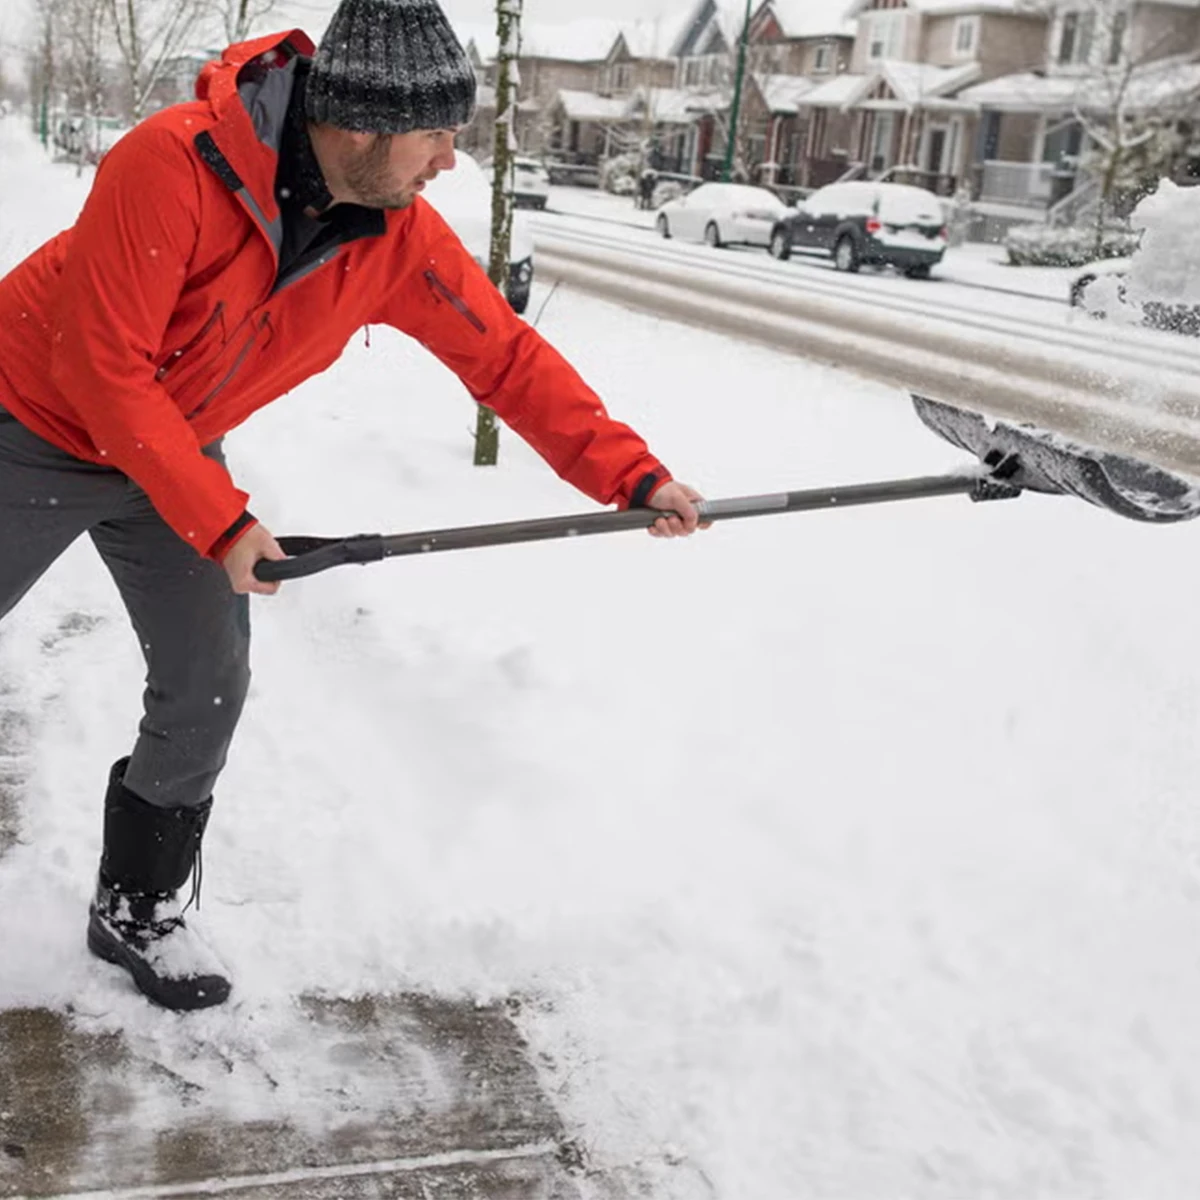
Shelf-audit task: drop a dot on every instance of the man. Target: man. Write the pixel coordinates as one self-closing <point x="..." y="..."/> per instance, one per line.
<point x="228" y="251"/>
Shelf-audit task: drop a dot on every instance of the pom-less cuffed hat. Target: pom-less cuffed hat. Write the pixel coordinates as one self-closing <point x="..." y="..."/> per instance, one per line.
<point x="390" y="66"/>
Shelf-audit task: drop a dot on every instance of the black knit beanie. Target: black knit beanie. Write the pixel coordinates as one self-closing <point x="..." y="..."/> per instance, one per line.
<point x="390" y="66"/>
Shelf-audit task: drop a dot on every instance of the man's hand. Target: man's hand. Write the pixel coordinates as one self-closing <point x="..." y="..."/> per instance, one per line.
<point x="249" y="549"/>
<point x="681" y="499"/>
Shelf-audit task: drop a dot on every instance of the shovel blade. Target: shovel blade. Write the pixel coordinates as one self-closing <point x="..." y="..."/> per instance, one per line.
<point x="1040" y="461"/>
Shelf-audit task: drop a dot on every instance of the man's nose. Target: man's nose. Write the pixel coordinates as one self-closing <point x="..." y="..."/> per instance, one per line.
<point x="446" y="159"/>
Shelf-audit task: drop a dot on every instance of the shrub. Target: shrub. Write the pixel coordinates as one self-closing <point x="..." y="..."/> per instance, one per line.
<point x="1072" y="246"/>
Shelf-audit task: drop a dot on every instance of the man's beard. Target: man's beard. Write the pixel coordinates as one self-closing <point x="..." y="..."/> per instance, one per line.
<point x="366" y="177"/>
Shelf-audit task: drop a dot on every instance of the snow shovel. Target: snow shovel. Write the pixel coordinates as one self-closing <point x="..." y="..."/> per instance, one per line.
<point x="1011" y="459"/>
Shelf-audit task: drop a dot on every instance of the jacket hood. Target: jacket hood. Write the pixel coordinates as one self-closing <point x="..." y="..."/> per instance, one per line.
<point x="219" y="80"/>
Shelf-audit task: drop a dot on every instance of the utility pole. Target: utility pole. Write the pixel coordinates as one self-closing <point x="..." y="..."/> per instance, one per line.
<point x="731" y="141"/>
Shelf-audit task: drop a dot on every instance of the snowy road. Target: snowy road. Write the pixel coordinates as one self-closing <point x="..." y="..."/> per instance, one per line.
<point x="852" y="855"/>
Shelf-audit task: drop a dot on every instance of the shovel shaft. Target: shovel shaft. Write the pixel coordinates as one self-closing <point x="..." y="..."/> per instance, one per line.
<point x="311" y="555"/>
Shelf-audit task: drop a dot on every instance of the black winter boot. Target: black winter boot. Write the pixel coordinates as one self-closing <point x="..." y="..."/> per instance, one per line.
<point x="136" y="920"/>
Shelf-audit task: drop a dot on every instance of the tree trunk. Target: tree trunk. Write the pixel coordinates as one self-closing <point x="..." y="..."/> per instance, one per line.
<point x="508" y="30"/>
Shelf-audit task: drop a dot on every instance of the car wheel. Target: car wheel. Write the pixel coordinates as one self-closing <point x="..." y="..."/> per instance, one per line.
<point x="712" y="235"/>
<point x="1079" y="287"/>
<point x="663" y="227"/>
<point x="518" y="298"/>
<point x="781" y="245"/>
<point x="845" y="254"/>
<point x="920" y="271"/>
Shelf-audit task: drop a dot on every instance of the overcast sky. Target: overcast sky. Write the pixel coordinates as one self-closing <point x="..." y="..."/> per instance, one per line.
<point x="469" y="15"/>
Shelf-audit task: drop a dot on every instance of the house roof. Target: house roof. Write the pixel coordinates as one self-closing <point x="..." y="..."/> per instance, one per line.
<point x="588" y="106"/>
<point x="948" y="7"/>
<point x="1168" y="81"/>
<point x="812" y="18"/>
<point x="783" y="93"/>
<point x="574" y="41"/>
<point x="839" y="92"/>
<point x="913" y="82"/>
<point x="705" y="18"/>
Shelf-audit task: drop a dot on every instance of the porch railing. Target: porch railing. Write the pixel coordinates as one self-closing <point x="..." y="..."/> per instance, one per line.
<point x="1018" y="182"/>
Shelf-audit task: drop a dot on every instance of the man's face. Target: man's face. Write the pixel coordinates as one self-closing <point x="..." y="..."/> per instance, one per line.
<point x="390" y="170"/>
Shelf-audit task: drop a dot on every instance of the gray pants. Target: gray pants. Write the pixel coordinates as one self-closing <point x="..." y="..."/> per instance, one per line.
<point x="193" y="630"/>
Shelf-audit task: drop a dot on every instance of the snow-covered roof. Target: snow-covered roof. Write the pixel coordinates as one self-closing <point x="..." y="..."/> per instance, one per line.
<point x="650" y="39"/>
<point x="949" y="7"/>
<point x="485" y="98"/>
<point x="583" y="40"/>
<point x="1166" y="82"/>
<point x="675" y="106"/>
<point x="588" y="106"/>
<point x="813" y="18"/>
<point x="783" y="93"/>
<point x="914" y="81"/>
<point x="839" y="92"/>
<point x="705" y="17"/>
<point x="573" y="41"/>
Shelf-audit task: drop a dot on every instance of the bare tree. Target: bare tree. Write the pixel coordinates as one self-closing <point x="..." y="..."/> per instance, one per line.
<point x="149" y="33"/>
<point x="85" y="41"/>
<point x="1132" y="105"/>
<point x="44" y="61"/>
<point x="239" y="17"/>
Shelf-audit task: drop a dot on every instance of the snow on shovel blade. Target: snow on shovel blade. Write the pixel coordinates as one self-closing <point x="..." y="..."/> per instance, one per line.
<point x="1040" y="461"/>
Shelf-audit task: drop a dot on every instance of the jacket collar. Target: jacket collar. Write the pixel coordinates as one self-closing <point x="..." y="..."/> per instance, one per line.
<point x="248" y="90"/>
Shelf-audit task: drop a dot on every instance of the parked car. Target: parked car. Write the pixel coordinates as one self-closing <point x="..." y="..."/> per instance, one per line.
<point x="878" y="224"/>
<point x="464" y="197"/>
<point x="722" y="214"/>
<point x="530" y="182"/>
<point x="1155" y="314"/>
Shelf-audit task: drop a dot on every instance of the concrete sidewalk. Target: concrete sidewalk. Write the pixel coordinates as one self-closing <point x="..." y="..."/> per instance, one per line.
<point x="443" y="1105"/>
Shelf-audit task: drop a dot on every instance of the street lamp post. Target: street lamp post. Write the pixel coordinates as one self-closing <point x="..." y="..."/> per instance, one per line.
<point x="731" y="140"/>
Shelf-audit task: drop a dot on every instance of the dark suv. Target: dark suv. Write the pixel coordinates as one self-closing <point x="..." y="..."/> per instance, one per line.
<point x="880" y="224"/>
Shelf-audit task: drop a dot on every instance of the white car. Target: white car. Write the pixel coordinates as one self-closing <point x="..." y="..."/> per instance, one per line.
<point x="464" y="198"/>
<point x="722" y="214"/>
<point x="530" y="186"/>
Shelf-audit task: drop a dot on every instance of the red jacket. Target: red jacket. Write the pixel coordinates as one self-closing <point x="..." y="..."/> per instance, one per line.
<point x="157" y="324"/>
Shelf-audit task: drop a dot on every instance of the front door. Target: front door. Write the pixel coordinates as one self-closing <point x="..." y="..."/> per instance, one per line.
<point x="935" y="150"/>
<point x="881" y="142"/>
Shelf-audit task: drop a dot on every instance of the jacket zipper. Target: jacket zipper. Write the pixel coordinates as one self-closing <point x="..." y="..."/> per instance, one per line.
<point x="265" y="323"/>
<point x="173" y="361"/>
<point x="456" y="301"/>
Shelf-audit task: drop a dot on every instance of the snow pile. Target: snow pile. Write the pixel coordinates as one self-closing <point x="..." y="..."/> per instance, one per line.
<point x="1164" y="270"/>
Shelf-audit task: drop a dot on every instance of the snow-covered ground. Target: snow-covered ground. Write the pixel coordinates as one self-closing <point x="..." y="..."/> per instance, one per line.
<point x="849" y="855"/>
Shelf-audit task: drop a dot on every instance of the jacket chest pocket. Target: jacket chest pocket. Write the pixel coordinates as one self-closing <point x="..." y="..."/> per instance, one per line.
<point x="252" y="336"/>
<point x="196" y="349"/>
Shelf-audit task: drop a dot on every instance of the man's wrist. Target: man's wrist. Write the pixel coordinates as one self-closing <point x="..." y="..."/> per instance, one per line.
<point x="234" y="534"/>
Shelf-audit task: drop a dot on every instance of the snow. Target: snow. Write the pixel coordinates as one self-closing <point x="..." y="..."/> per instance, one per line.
<point x="850" y="854"/>
<point x="1166" y="265"/>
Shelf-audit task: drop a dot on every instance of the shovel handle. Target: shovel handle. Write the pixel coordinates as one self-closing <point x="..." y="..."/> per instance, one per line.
<point x="310" y="555"/>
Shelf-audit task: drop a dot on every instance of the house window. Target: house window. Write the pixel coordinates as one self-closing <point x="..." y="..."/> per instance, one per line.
<point x="1116" y="41"/>
<point x="1075" y="39"/>
<point x="966" y="37"/>
<point x="622" y="77"/>
<point x="883" y="35"/>
<point x="821" y="60"/>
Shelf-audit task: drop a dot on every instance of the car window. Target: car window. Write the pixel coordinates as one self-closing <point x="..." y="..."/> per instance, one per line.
<point x="756" y="197"/>
<point x="710" y="193"/>
<point x="822" y="200"/>
<point x="909" y="206"/>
